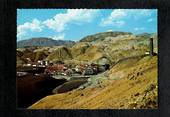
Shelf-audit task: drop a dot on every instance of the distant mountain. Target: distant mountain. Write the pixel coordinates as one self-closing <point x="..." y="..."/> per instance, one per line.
<point x="43" y="42"/>
<point x="147" y="35"/>
<point x="102" y="36"/>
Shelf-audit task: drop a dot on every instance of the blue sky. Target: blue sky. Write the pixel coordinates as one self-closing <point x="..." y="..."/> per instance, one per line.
<point x="74" y="24"/>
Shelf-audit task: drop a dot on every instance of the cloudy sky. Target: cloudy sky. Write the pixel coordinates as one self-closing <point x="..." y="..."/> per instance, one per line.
<point x="74" y="24"/>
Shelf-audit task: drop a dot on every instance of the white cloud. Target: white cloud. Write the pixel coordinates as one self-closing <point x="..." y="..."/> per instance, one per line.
<point x="118" y="13"/>
<point x="114" y="23"/>
<point x="60" y="21"/>
<point x="34" y="26"/>
<point x="110" y="30"/>
<point x="58" y="37"/>
<point x="114" y="19"/>
<point x="139" y="12"/>
<point x="21" y="33"/>
<point x="139" y="29"/>
<point x="118" y="16"/>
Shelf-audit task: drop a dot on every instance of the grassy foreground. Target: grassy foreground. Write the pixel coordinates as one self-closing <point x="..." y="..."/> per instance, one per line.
<point x="130" y="84"/>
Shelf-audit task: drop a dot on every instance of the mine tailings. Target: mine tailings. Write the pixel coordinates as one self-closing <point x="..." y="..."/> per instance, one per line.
<point x="31" y="88"/>
<point x="33" y="85"/>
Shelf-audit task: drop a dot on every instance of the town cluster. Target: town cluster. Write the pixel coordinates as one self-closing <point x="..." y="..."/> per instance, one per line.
<point x="60" y="68"/>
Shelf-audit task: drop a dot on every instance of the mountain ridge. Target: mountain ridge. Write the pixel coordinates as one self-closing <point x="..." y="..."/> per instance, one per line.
<point x="100" y="36"/>
<point x="43" y="41"/>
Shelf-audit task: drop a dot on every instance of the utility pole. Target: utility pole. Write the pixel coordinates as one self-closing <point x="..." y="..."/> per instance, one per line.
<point x="151" y="47"/>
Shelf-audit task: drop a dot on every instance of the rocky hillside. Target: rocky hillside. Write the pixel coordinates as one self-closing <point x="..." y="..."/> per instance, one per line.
<point x="131" y="81"/>
<point x="102" y="36"/>
<point x="59" y="54"/>
<point x="106" y="47"/>
<point x="130" y="84"/>
<point x="43" y="42"/>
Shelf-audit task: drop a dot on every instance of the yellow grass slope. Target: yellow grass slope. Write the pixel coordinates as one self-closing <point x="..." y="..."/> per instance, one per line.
<point x="130" y="84"/>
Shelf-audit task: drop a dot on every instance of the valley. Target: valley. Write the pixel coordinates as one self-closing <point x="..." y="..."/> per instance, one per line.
<point x="108" y="70"/>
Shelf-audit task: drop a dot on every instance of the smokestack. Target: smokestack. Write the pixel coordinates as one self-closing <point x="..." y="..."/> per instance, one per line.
<point x="151" y="47"/>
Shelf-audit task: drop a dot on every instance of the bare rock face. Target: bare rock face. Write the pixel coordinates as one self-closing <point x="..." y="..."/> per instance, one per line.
<point x="61" y="53"/>
<point x="20" y="61"/>
<point x="102" y="36"/>
<point x="40" y="56"/>
<point x="28" y="55"/>
<point x="123" y="86"/>
<point x="68" y="86"/>
<point x="103" y="61"/>
<point x="79" y="48"/>
<point x="43" y="42"/>
<point x="32" y="88"/>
